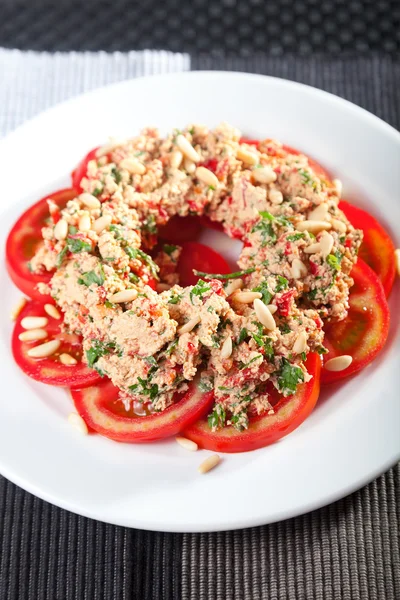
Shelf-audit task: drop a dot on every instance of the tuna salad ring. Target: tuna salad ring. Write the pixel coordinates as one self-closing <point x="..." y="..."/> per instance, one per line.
<point x="153" y="324"/>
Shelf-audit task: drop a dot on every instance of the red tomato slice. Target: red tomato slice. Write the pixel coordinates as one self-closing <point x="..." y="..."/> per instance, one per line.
<point x="24" y="239"/>
<point x="377" y="248"/>
<point x="180" y="229"/>
<point x="202" y="258"/>
<point x="363" y="333"/>
<point x="81" y="170"/>
<point x="50" y="370"/>
<point x="249" y="142"/>
<point x="104" y="412"/>
<point x="289" y="413"/>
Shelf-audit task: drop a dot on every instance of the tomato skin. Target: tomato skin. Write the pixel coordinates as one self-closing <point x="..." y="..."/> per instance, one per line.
<point x="202" y="258"/>
<point x="266" y="429"/>
<point x="80" y="170"/>
<point x="180" y="229"/>
<point x="50" y="370"/>
<point x="23" y="240"/>
<point x="377" y="248"/>
<point x="364" y="332"/>
<point x="93" y="405"/>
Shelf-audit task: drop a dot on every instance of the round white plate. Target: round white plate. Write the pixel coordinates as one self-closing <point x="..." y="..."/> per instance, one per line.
<point x="353" y="434"/>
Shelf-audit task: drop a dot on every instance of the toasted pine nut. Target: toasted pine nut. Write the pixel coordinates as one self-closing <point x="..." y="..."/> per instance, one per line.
<point x="250" y="158"/>
<point x="339" y="225"/>
<point x="272" y="308"/>
<point x="233" y="285"/>
<point x="34" y="322"/>
<point x="43" y="350"/>
<point x="176" y="159"/>
<point x="189" y="325"/>
<point x="338" y="186"/>
<point x="101" y="223"/>
<point x="31" y="335"/>
<point x="313" y="226"/>
<point x="298" y="269"/>
<point x="84" y="223"/>
<point x="397" y="260"/>
<point x="17" y="308"/>
<point x="133" y="166"/>
<point x="61" y="230"/>
<point x="187" y="444"/>
<point x="264" y="174"/>
<point x="67" y="359"/>
<point x="264" y="315"/>
<point x="78" y="423"/>
<point x="189" y="165"/>
<point x="89" y="200"/>
<point x="227" y="348"/>
<point x="187" y="149"/>
<point x="275" y="196"/>
<point x="300" y="344"/>
<point x="319" y="213"/>
<point x="326" y="242"/>
<point x="246" y="297"/>
<point x="209" y="463"/>
<point x="339" y="363"/>
<point x="313" y="248"/>
<point x="206" y="176"/>
<point x="124" y="296"/>
<point x="52" y="311"/>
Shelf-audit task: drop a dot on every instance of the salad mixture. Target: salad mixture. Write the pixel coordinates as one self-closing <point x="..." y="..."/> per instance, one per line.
<point x="152" y="331"/>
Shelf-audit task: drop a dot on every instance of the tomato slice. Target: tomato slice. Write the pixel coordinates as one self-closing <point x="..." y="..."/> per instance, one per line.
<point x="50" y="370"/>
<point x="81" y="170"/>
<point x="377" y="248"/>
<point x="180" y="229"/>
<point x="24" y="239"/>
<point x="202" y="258"/>
<point x="289" y="413"/>
<point x="104" y="412"/>
<point x="363" y="333"/>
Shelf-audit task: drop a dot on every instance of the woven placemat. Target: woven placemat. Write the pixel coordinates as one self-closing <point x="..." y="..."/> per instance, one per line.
<point x="348" y="550"/>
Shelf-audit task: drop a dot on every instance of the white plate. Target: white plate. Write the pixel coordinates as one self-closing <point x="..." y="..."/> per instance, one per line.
<point x="352" y="436"/>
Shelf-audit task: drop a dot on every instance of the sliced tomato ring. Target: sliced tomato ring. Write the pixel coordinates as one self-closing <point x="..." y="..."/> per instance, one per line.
<point x="102" y="409"/>
<point x="180" y="229"/>
<point x="81" y="170"/>
<point x="24" y="239"/>
<point x="202" y="258"/>
<point x="289" y="413"/>
<point x="50" y="370"/>
<point x="363" y="333"/>
<point x="377" y="248"/>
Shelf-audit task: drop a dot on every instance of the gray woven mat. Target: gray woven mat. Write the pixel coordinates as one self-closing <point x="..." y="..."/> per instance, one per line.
<point x="348" y="550"/>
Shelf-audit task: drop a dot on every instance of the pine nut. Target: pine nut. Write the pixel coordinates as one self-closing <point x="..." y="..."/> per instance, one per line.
<point x="208" y="464"/>
<point x="34" y="322"/>
<point x="338" y="186"/>
<point x="31" y="335"/>
<point x="246" y="297"/>
<point x="264" y="315"/>
<point x="17" y="308"/>
<point x="61" y="230"/>
<point x="264" y="174"/>
<point x="89" y="200"/>
<point x="397" y="260"/>
<point x="227" y="348"/>
<point x="124" y="296"/>
<point x="189" y="165"/>
<point x="326" y="242"/>
<point x="339" y="363"/>
<point x="176" y="159"/>
<point x="189" y="325"/>
<point x="133" y="166"/>
<point x="46" y="349"/>
<point x="275" y="196"/>
<point x="101" y="223"/>
<point x="339" y="225"/>
<point x="298" y="269"/>
<point x="313" y="226"/>
<point x="67" y="359"/>
<point x="207" y="176"/>
<point x="272" y="308"/>
<point x="233" y="285"/>
<point x="52" y="311"/>
<point x="300" y="344"/>
<point x="250" y="158"/>
<point x="313" y="248"/>
<point x="84" y="223"/>
<point x="187" y="149"/>
<point x="319" y="214"/>
<point x="78" y="423"/>
<point x="187" y="444"/>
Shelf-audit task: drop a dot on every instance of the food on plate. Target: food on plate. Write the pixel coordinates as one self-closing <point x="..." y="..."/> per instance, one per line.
<point x="162" y="338"/>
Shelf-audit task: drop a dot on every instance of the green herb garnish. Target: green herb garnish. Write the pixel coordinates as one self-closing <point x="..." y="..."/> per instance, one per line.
<point x="289" y="376"/>
<point x="223" y="276"/>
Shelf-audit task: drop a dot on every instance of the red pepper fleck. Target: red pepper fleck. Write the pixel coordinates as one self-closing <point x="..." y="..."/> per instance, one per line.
<point x="313" y="268"/>
<point x="211" y="164"/>
<point x="191" y="348"/>
<point x="217" y="286"/>
<point x="288" y="249"/>
<point x="347" y="243"/>
<point x="283" y="302"/>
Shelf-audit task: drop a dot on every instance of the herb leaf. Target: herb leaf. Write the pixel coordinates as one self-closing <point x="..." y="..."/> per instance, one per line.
<point x="199" y="289"/>
<point x="91" y="277"/>
<point x="217" y="418"/>
<point x="289" y="376"/>
<point x="76" y="245"/>
<point x="223" y="276"/>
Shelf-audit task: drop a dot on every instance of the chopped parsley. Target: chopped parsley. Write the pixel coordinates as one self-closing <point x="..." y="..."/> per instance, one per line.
<point x="60" y="257"/>
<point x="98" y="350"/>
<point x="205" y="384"/>
<point x="151" y="361"/>
<point x="312" y="294"/>
<point x="72" y="230"/>
<point x="199" y="290"/>
<point x="175" y="298"/>
<point x="149" y="224"/>
<point x="76" y="245"/>
<point x="97" y="192"/>
<point x="137" y="253"/>
<point x="282" y="283"/>
<point x="289" y="376"/>
<point x="171" y="347"/>
<point x="116" y="174"/>
<point x="91" y="277"/>
<point x="245" y="365"/>
<point x="169" y="249"/>
<point x="217" y="418"/>
<point x="295" y="237"/>
<point x="224" y="276"/>
<point x="266" y="227"/>
<point x="321" y="350"/>
<point x="306" y="177"/>
<point x="243" y="335"/>
<point x="284" y="328"/>
<point x="264" y="291"/>
<point x="240" y="421"/>
<point x="116" y="229"/>
<point x="333" y="262"/>
<point x="144" y="387"/>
